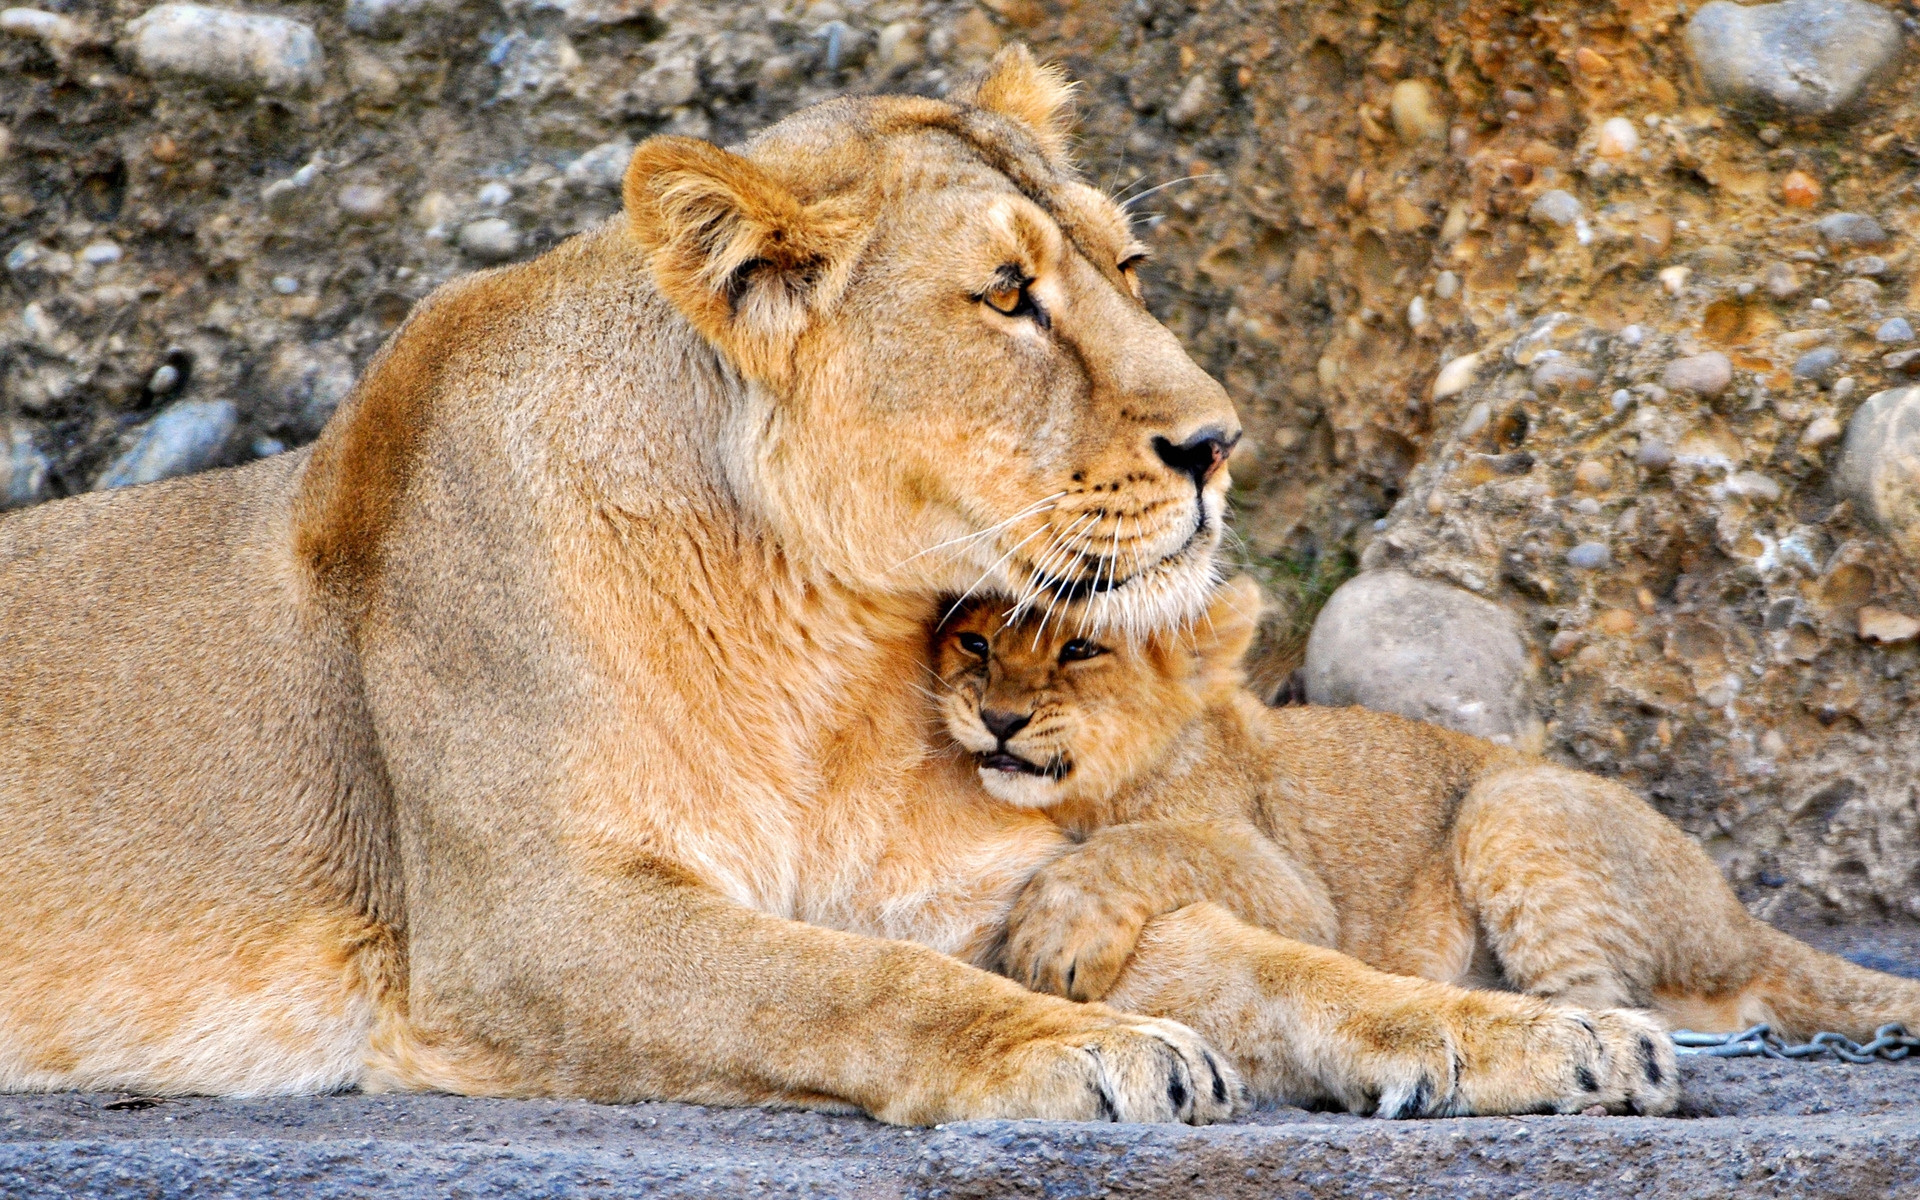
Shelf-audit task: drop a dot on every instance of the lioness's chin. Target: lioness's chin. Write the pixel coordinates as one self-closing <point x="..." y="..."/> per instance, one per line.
<point x="1171" y="594"/>
<point x="1021" y="790"/>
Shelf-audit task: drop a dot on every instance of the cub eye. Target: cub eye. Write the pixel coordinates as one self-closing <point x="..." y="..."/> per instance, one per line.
<point x="1079" y="650"/>
<point x="1010" y="296"/>
<point x="973" y="644"/>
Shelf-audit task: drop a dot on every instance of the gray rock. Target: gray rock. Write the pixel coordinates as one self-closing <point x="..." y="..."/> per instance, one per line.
<point x="1395" y="642"/>
<point x="1799" y="57"/>
<point x="1703" y="374"/>
<point x="1850" y="229"/>
<point x="490" y="239"/>
<point x="240" y="51"/>
<point x="23" y="468"/>
<point x="1894" y="330"/>
<point x="1556" y="207"/>
<point x="1817" y="364"/>
<point x="1590" y="556"/>
<point x="1782" y="281"/>
<point x="365" y="202"/>
<point x="1654" y="454"/>
<point x="308" y="383"/>
<point x="186" y="437"/>
<point x="1879" y="468"/>
<point x="602" y="168"/>
<point x="1866" y="264"/>
<point x="391" y="18"/>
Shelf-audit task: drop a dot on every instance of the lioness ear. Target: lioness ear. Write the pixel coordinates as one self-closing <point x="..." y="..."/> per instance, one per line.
<point x="732" y="247"/>
<point x="1037" y="95"/>
<point x="1222" y="638"/>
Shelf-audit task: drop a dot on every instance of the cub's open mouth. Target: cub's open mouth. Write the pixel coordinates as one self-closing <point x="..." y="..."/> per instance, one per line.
<point x="1013" y="764"/>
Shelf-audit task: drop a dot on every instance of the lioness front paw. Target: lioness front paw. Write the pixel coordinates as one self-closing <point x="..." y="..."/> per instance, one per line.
<point x="1491" y="1054"/>
<point x="1070" y="940"/>
<point x="1122" y="1068"/>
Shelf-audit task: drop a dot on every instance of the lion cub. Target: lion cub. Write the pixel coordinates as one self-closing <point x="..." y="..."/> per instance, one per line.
<point x="1416" y="849"/>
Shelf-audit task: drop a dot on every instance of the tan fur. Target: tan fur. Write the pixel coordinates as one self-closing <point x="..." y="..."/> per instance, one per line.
<point x="1414" y="849"/>
<point x="554" y="725"/>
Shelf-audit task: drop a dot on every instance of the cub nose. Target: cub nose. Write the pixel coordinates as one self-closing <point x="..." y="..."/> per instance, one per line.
<point x="1003" y="725"/>
<point x="1199" y="456"/>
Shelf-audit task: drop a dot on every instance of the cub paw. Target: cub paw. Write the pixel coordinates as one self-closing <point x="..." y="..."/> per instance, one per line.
<point x="1068" y="940"/>
<point x="1494" y="1054"/>
<point x="1122" y="1068"/>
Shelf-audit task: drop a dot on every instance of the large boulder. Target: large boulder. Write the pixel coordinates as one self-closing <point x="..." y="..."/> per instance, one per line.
<point x="1395" y="642"/>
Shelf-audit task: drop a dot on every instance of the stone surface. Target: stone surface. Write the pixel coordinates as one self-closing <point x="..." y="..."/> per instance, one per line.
<point x="1748" y="1128"/>
<point x="244" y="51"/>
<point x="1802" y="57"/>
<point x="1880" y="467"/>
<point x="185" y="437"/>
<point x="490" y="239"/>
<point x="1703" y="374"/>
<point x="23" y="467"/>
<point x="1394" y="642"/>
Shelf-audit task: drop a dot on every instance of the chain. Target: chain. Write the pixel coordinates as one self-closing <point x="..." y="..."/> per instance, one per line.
<point x="1890" y="1044"/>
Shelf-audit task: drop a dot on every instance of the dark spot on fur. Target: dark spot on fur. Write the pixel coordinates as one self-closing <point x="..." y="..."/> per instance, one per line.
<point x="1584" y="1077"/>
<point x="1219" y="1078"/>
<point x="1651" y="1059"/>
<point x="1073" y="969"/>
<point x="1108" y="1110"/>
<point x="1177" y="1092"/>
<point x="1415" y="1104"/>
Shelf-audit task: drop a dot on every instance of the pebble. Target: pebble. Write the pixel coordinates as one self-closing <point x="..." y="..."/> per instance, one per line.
<point x="1654" y="454"/>
<point x="1416" y="115"/>
<point x="1902" y="360"/>
<point x="1447" y="286"/>
<point x="1799" y="190"/>
<point x="493" y="195"/>
<point x="164" y="379"/>
<point x="1821" y="431"/>
<point x="1455" y="376"/>
<point x="1801" y="57"/>
<point x="1866" y="264"/>
<point x="23" y="468"/>
<point x="1753" y="486"/>
<point x="1782" y="281"/>
<point x="1555" y="207"/>
<point x="241" y="51"/>
<point x="1674" y="279"/>
<point x="365" y="202"/>
<point x="1706" y="374"/>
<point x="1589" y="556"/>
<point x="1816" y="364"/>
<point x="490" y="239"/>
<point x="1850" y="229"/>
<point x="1617" y="139"/>
<point x="60" y="34"/>
<point x="1894" y="330"/>
<point x="285" y="285"/>
<point x="1395" y="642"/>
<point x="604" y="167"/>
<point x="1884" y="625"/>
<point x="1620" y="399"/>
<point x="1819" y="304"/>
<point x="100" y="254"/>
<point x="186" y="436"/>
<point x="1879" y="467"/>
<point x="1592" y="475"/>
<point x="308" y="383"/>
<point x="1559" y="374"/>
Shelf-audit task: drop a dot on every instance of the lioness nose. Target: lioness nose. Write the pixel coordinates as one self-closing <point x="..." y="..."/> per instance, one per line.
<point x="1199" y="456"/>
<point x="1003" y="725"/>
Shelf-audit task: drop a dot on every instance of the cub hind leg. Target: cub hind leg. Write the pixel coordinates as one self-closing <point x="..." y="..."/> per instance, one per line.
<point x="1588" y="896"/>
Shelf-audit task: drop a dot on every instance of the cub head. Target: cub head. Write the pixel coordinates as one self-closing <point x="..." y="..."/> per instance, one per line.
<point x="1052" y="714"/>
<point x="948" y="380"/>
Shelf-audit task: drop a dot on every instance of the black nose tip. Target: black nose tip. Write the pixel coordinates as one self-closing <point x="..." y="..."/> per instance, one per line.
<point x="1003" y="725"/>
<point x="1199" y="456"/>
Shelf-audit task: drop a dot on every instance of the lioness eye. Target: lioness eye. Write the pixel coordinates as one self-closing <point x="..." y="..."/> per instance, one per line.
<point x="1079" y="650"/>
<point x="1010" y="296"/>
<point x="973" y="644"/>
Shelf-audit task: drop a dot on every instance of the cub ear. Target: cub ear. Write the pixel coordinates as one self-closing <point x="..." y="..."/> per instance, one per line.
<point x="733" y="248"/>
<point x="1037" y="95"/>
<point x="1224" y="635"/>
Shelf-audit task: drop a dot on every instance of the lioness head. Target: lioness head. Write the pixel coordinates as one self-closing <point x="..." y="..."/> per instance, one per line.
<point x="1053" y="715"/>
<point x="949" y="379"/>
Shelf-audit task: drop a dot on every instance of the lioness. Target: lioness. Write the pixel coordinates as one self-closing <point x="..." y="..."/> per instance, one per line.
<point x="1419" y="850"/>
<point x="524" y="734"/>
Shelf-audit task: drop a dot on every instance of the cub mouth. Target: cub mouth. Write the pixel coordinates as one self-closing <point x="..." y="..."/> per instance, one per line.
<point x="1013" y="764"/>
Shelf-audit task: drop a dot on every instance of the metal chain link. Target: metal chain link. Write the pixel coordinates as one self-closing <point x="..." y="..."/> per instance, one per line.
<point x="1890" y="1044"/>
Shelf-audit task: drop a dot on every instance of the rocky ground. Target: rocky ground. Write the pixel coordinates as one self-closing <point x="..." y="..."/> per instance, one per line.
<point x="1597" y="312"/>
